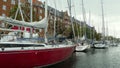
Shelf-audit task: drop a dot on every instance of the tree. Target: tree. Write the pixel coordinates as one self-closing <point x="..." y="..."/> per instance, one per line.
<point x="98" y="36"/>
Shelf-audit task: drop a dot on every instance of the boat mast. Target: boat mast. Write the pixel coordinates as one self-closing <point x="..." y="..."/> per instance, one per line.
<point x="46" y="40"/>
<point x="55" y="20"/>
<point x="84" y="18"/>
<point x="76" y="22"/>
<point x="114" y="35"/>
<point x="107" y="31"/>
<point x="89" y="25"/>
<point x="31" y="15"/>
<point x="19" y="10"/>
<point x="69" y="6"/>
<point x="80" y="27"/>
<point x="103" y="22"/>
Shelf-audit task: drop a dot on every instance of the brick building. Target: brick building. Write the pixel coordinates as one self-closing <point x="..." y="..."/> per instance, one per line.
<point x="5" y="6"/>
<point x="38" y="13"/>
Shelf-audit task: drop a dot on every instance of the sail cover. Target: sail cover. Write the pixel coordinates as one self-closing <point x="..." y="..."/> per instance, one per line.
<point x="40" y="24"/>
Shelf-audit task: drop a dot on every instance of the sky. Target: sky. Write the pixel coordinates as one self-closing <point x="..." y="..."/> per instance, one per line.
<point x="93" y="7"/>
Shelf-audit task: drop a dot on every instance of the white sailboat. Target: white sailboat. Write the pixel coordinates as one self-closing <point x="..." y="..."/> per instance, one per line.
<point x="102" y="43"/>
<point x="83" y="45"/>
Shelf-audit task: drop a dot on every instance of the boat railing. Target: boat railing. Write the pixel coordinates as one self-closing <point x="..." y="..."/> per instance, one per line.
<point x="34" y="40"/>
<point x="19" y="46"/>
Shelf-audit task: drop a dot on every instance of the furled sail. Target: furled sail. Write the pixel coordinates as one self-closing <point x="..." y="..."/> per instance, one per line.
<point x="11" y="30"/>
<point x="40" y="24"/>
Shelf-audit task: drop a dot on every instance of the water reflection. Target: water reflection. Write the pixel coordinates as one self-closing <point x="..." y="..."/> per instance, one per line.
<point x="94" y="58"/>
<point x="69" y="63"/>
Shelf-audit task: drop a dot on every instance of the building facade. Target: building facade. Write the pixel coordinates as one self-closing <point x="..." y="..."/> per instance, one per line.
<point x="38" y="13"/>
<point x="5" y="7"/>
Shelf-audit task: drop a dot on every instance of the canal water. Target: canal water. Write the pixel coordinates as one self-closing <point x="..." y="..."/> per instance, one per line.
<point x="94" y="58"/>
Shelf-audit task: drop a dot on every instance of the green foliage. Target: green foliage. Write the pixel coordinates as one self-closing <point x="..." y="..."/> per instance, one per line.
<point x="98" y="36"/>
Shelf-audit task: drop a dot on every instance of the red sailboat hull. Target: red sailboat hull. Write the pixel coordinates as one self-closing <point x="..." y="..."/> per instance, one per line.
<point x="34" y="58"/>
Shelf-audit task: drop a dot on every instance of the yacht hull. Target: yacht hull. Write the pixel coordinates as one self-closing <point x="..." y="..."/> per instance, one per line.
<point x="34" y="58"/>
<point x="81" y="48"/>
<point x="100" y="46"/>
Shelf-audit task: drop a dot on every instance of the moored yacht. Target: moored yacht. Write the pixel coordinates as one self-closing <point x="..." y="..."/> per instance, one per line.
<point x="16" y="53"/>
<point x="82" y="47"/>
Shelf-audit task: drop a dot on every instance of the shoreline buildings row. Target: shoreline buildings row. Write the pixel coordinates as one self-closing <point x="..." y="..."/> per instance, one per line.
<point x="7" y="9"/>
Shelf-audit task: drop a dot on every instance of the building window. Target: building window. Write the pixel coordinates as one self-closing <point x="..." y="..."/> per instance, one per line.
<point x="5" y="0"/>
<point x="3" y="15"/>
<point x="42" y="5"/>
<point x="4" y="7"/>
<point x="40" y="17"/>
<point x="35" y="9"/>
<point x="12" y="1"/>
<point x="40" y="11"/>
